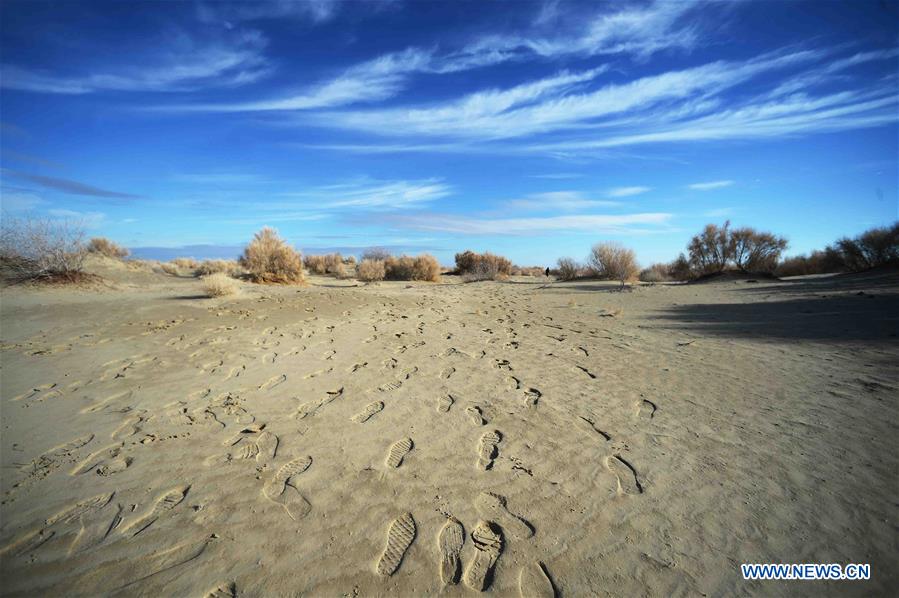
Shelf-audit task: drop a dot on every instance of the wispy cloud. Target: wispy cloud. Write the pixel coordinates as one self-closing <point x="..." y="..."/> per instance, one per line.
<point x="710" y="185"/>
<point x="190" y="65"/>
<point x="517" y="226"/>
<point x="627" y="191"/>
<point x="68" y="186"/>
<point x="228" y="12"/>
<point x="373" y="194"/>
<point x="86" y="219"/>
<point x="554" y="201"/>
<point x="641" y="31"/>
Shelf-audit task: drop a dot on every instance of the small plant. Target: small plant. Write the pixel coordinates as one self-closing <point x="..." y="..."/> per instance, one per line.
<point x="370" y="270"/>
<point x="219" y="284"/>
<point x="106" y="248"/>
<point x="186" y="263"/>
<point x="269" y="259"/>
<point x="426" y="268"/>
<point x="614" y="262"/>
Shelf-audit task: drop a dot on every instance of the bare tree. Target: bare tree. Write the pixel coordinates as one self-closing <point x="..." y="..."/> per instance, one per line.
<point x="614" y="261"/>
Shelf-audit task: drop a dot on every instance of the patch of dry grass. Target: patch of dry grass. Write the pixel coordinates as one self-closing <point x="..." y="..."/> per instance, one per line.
<point x="371" y="270"/>
<point x="105" y="247"/>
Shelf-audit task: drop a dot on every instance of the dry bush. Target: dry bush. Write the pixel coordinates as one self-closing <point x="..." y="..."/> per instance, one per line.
<point x="614" y="261"/>
<point x="567" y="268"/>
<point x="817" y="262"/>
<point x="170" y="268"/>
<point x="680" y="269"/>
<point x="426" y="267"/>
<point x="399" y="268"/>
<point x="207" y="267"/>
<point x="315" y="263"/>
<point x="42" y="249"/>
<point x="874" y="247"/>
<point x="378" y="254"/>
<point x="332" y="262"/>
<point x="528" y="271"/>
<point x="343" y="271"/>
<point x="482" y="266"/>
<point x="655" y="273"/>
<point x="717" y="247"/>
<point x="186" y="263"/>
<point x="350" y="260"/>
<point x="105" y="247"/>
<point x="370" y="270"/>
<point x="268" y="258"/>
<point x="219" y="284"/>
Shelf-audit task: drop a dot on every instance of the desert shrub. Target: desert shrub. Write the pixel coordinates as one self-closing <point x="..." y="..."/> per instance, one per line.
<point x="268" y="258"/>
<point x="718" y="247"/>
<point x="207" y="267"/>
<point x="376" y="254"/>
<point x="712" y="249"/>
<point x="170" y="268"/>
<point x="219" y="284"/>
<point x="614" y="262"/>
<point x="370" y="270"/>
<point x="315" y="263"/>
<point x="185" y="263"/>
<point x="332" y="262"/>
<point x="105" y="247"/>
<point x="35" y="248"/>
<point x="567" y="268"/>
<point x="655" y="273"/>
<point x="755" y="251"/>
<point x="817" y="262"/>
<point x="680" y="269"/>
<point x="874" y="247"/>
<point x="426" y="267"/>
<point x="482" y="266"/>
<point x="399" y="268"/>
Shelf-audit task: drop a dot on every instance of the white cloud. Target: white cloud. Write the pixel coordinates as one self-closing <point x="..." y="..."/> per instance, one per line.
<point x="710" y="185"/>
<point x="313" y="10"/>
<point x="517" y="226"/>
<point x="375" y="195"/>
<point x="558" y="200"/>
<point x="190" y="65"/>
<point x="86" y="219"/>
<point x="627" y="191"/>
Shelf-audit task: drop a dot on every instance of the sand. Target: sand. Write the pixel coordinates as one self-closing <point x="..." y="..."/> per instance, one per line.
<point x="344" y="440"/>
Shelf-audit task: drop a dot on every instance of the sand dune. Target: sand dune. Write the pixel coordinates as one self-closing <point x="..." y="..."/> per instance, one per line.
<point x="415" y="439"/>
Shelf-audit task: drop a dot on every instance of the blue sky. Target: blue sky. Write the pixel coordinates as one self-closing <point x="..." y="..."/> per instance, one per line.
<point x="531" y="129"/>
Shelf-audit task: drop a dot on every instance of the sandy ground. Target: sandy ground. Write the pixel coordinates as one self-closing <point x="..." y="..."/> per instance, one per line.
<point x="341" y="440"/>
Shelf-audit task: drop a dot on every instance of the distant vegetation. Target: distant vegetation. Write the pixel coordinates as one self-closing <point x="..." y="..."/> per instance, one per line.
<point x="613" y="261"/>
<point x="874" y="247"/>
<point x="105" y="247"/>
<point x="370" y="270"/>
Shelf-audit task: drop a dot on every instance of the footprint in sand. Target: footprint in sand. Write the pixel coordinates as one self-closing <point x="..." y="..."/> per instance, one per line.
<point x="366" y="414"/>
<point x="164" y="503"/>
<point x="444" y="403"/>
<point x="646" y="409"/>
<point x="98" y="458"/>
<point x="493" y="506"/>
<point x="475" y="415"/>
<point x="399" y="538"/>
<point x="627" y="476"/>
<point x="223" y="590"/>
<point x="273" y="382"/>
<point x="532" y="396"/>
<point x="449" y="542"/>
<point x="390" y="386"/>
<point x="487" y="450"/>
<point x="96" y="526"/>
<point x="311" y="407"/>
<point x="130" y="426"/>
<point x="276" y="486"/>
<point x="447" y="373"/>
<point x="398" y="452"/>
<point x="533" y="582"/>
<point x="488" y="544"/>
<point x="267" y="447"/>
